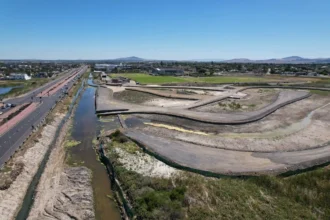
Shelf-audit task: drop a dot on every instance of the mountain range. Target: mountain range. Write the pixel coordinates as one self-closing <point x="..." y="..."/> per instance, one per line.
<point x="291" y="59"/>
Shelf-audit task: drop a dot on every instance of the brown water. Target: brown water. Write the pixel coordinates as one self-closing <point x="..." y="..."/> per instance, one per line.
<point x="85" y="128"/>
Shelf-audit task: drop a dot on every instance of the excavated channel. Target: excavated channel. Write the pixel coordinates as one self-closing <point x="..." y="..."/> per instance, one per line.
<point x="85" y="128"/>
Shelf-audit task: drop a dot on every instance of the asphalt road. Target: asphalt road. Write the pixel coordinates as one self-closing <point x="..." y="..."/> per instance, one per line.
<point x="12" y="139"/>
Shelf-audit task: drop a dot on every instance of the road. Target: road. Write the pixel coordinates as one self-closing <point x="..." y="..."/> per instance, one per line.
<point x="12" y="139"/>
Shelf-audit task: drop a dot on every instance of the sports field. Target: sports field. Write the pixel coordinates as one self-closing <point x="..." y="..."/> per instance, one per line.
<point x="149" y="79"/>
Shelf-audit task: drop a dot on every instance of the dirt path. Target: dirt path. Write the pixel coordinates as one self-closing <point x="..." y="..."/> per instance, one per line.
<point x="106" y="103"/>
<point x="229" y="162"/>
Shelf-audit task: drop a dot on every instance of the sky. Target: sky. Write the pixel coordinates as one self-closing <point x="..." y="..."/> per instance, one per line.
<point x="164" y="29"/>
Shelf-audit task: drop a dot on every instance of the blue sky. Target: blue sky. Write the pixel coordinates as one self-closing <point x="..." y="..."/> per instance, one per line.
<point x="164" y="29"/>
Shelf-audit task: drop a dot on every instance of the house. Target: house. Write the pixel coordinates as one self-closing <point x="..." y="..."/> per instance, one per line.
<point x="19" y="76"/>
<point x="167" y="71"/>
<point x="312" y="74"/>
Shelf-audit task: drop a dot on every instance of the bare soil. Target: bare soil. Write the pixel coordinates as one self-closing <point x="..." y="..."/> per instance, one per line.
<point x="133" y="96"/>
<point x="63" y="192"/>
<point x="281" y="118"/>
<point x="149" y="99"/>
<point x="254" y="99"/>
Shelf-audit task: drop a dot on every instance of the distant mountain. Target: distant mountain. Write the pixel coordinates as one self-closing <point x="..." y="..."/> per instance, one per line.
<point x="239" y="60"/>
<point x="205" y="60"/>
<point x="291" y="59"/>
<point x="130" y="59"/>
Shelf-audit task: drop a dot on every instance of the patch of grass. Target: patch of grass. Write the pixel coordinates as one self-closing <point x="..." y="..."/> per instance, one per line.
<point x="117" y="136"/>
<point x="128" y="146"/>
<point x="234" y="105"/>
<point x="322" y="93"/>
<point x="71" y="143"/>
<point x="106" y="119"/>
<point x="231" y="105"/>
<point x="265" y="90"/>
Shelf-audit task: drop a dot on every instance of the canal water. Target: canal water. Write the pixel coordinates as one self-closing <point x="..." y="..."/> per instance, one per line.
<point x="86" y="127"/>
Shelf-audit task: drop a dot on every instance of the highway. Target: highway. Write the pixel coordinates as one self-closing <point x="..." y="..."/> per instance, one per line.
<point x="11" y="140"/>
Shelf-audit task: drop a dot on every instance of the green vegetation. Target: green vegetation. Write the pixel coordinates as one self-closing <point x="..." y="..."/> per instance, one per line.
<point x="71" y="143"/>
<point x="117" y="136"/>
<point x="231" y="105"/>
<point x="319" y="92"/>
<point x="146" y="79"/>
<point x="152" y="198"/>
<point x="106" y="119"/>
<point x="192" y="196"/>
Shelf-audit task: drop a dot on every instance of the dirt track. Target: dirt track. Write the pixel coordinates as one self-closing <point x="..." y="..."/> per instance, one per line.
<point x="106" y="103"/>
<point x="220" y="161"/>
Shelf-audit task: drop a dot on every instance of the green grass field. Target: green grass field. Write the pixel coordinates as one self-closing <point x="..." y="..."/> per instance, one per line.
<point x="148" y="79"/>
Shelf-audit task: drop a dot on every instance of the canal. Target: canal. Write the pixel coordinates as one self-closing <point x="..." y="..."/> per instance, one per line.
<point x="85" y="128"/>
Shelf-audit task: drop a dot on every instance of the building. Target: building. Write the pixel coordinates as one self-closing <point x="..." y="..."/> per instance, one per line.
<point x="42" y="75"/>
<point x="105" y="67"/>
<point x="103" y="76"/>
<point x="167" y="71"/>
<point x="19" y="76"/>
